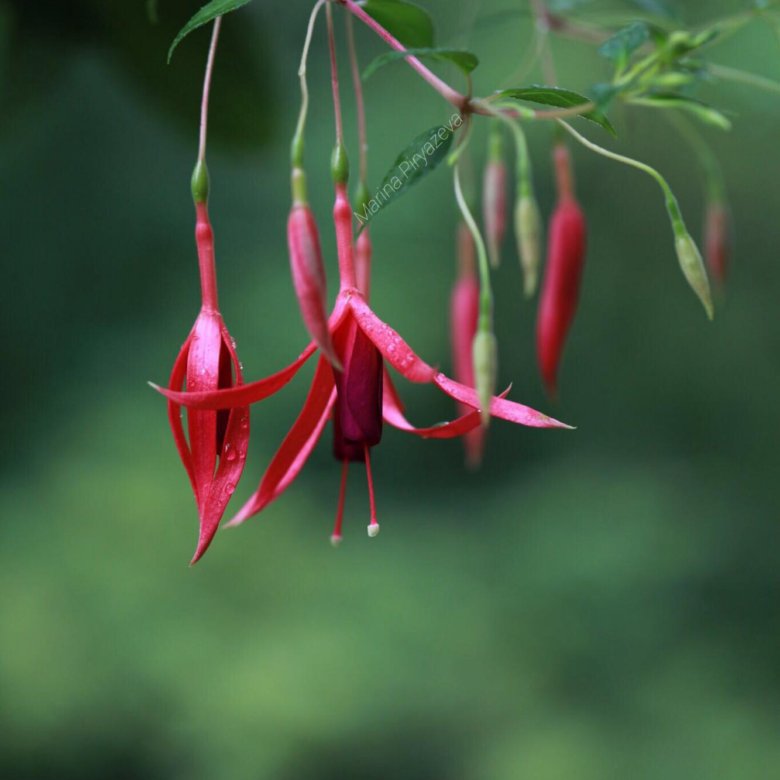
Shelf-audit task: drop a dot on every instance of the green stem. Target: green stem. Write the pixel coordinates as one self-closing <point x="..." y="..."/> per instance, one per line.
<point x="715" y="186"/>
<point x="296" y="152"/>
<point x="485" y="289"/>
<point x="744" y="77"/>
<point x="672" y="205"/>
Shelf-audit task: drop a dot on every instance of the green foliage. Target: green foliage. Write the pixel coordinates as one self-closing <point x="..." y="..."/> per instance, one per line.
<point x="417" y="160"/>
<point x="624" y="43"/>
<point x="408" y="22"/>
<point x="464" y="60"/>
<point x="208" y="13"/>
<point x="558" y="98"/>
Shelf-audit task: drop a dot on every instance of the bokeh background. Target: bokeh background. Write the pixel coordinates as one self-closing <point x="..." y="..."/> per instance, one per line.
<point x="594" y="604"/>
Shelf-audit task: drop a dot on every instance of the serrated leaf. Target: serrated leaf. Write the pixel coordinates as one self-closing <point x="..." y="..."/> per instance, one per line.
<point x="703" y="112"/>
<point x="559" y="98"/>
<point x="409" y="23"/>
<point x="208" y="13"/>
<point x="625" y="42"/>
<point x="464" y="60"/>
<point x="420" y="157"/>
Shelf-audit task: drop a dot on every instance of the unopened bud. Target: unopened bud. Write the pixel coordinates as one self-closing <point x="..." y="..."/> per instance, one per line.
<point x="494" y="208"/>
<point x="528" y="232"/>
<point x="717" y="241"/>
<point x="308" y="273"/>
<point x="485" y="351"/>
<point x="692" y="266"/>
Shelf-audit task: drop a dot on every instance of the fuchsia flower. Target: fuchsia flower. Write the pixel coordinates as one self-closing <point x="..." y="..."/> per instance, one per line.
<point x="464" y="316"/>
<point x="214" y="451"/>
<point x="359" y="398"/>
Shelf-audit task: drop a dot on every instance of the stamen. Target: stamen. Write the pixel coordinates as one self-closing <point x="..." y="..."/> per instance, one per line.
<point x="373" y="525"/>
<point x="335" y="537"/>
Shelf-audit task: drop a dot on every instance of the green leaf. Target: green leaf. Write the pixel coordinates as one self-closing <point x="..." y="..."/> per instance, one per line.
<point x="409" y="23"/>
<point x="625" y="42"/>
<point x="206" y="14"/>
<point x="420" y="157"/>
<point x="464" y="60"/>
<point x="559" y="98"/>
<point x="703" y="112"/>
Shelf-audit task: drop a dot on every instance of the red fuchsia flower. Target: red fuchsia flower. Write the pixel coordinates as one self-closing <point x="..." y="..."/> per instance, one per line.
<point x="494" y="201"/>
<point x="563" y="274"/>
<point x="214" y="450"/>
<point x="464" y="316"/>
<point x="359" y="398"/>
<point x="717" y="240"/>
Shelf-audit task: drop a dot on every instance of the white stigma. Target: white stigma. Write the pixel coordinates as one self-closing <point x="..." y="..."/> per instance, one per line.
<point x="373" y="529"/>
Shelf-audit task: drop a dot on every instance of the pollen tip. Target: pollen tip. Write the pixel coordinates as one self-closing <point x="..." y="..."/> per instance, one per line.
<point x="373" y="529"/>
<point x="154" y="386"/>
<point x="335" y="540"/>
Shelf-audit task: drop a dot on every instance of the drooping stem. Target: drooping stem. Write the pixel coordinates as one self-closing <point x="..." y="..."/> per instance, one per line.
<point x="204" y="105"/>
<point x="672" y="206"/>
<point x="204" y="237"/>
<point x="298" y="142"/>
<point x="357" y="85"/>
<point x="445" y="90"/>
<point x="334" y="78"/>
<point x="485" y="289"/>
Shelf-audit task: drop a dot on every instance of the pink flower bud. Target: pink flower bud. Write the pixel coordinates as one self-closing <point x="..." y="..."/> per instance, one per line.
<point x="308" y="274"/>
<point x="464" y="313"/>
<point x="565" y="261"/>
<point x="717" y="241"/>
<point x="494" y="208"/>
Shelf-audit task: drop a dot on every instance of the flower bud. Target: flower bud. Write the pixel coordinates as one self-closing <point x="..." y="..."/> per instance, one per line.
<point x="485" y="351"/>
<point x="692" y="266"/>
<point x="560" y="293"/>
<point x="717" y="241"/>
<point x="528" y="233"/>
<point x="494" y="209"/>
<point x="464" y="315"/>
<point x="308" y="274"/>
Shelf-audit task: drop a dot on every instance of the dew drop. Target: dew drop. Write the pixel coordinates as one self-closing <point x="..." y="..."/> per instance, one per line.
<point x="230" y="488"/>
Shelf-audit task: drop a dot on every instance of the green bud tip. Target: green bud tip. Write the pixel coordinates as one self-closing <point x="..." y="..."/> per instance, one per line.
<point x="339" y="165"/>
<point x="299" y="190"/>
<point x="692" y="267"/>
<point x="528" y="232"/>
<point x="200" y="182"/>
<point x="485" y="357"/>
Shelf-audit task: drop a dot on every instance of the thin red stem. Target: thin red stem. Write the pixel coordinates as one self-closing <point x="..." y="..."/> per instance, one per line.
<point x="335" y="537"/>
<point x="445" y="90"/>
<point x="204" y="105"/>
<point x="373" y="525"/>
<point x="334" y="76"/>
<point x="357" y="84"/>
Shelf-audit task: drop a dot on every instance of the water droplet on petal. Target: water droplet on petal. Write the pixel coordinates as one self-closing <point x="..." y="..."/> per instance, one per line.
<point x="230" y="488"/>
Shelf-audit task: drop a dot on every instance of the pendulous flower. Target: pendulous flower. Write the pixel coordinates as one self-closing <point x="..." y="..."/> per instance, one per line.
<point x="353" y="397"/>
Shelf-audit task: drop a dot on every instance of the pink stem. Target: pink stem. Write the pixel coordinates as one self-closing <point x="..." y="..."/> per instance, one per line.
<point x="334" y="77"/>
<point x="357" y="84"/>
<point x="204" y="105"/>
<point x="451" y="95"/>
<point x="204" y="239"/>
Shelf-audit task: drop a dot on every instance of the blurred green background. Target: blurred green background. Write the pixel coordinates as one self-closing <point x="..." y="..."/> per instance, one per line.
<point x="594" y="604"/>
